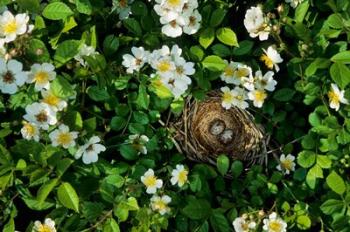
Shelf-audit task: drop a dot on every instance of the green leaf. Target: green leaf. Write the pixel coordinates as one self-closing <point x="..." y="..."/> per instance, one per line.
<point x="222" y="163"/>
<point x="133" y="26"/>
<point x="340" y="74"/>
<point x="68" y="197"/>
<point x="227" y="36"/>
<point x="110" y="45"/>
<point x="84" y="6"/>
<point x="36" y="51"/>
<point x="197" y="53"/>
<point x="303" y="222"/>
<point x="217" y="16"/>
<point x="336" y="183"/>
<point x="284" y="94"/>
<point x="207" y="37"/>
<point x="9" y="226"/>
<point x="335" y="21"/>
<point x="237" y="168"/>
<point x="306" y="158"/>
<point x="29" y="5"/>
<point x="332" y="206"/>
<point x="57" y="11"/>
<point x="118" y="123"/>
<point x="314" y="173"/>
<point x="128" y="152"/>
<point x="318" y="63"/>
<point x="342" y="57"/>
<point x="301" y="11"/>
<point x="324" y="161"/>
<point x="143" y="97"/>
<point x="111" y="226"/>
<point x="45" y="190"/>
<point x="66" y="51"/>
<point x="219" y="222"/>
<point x="139" y="8"/>
<point x="197" y="209"/>
<point x="214" y="63"/>
<point x="244" y="48"/>
<point x="97" y="94"/>
<point x="61" y="88"/>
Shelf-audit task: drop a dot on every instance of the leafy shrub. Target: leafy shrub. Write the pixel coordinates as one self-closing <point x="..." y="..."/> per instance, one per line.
<point x="89" y="90"/>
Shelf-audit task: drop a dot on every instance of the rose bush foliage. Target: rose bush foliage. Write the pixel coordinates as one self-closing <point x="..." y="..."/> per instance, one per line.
<point x="88" y="90"/>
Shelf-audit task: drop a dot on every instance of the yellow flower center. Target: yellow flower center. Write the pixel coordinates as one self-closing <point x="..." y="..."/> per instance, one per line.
<point x="41" y="77"/>
<point x="287" y="164"/>
<point x="10" y="27"/>
<point x="44" y="228"/>
<point x="64" y="138"/>
<point x="30" y="129"/>
<point x="268" y="62"/>
<point x="239" y="97"/>
<point x="275" y="226"/>
<point x="229" y="71"/>
<point x="163" y="66"/>
<point x="227" y="97"/>
<point x="260" y="95"/>
<point x="160" y="205"/>
<point x="174" y="3"/>
<point x="182" y="177"/>
<point x="333" y="97"/>
<point x="242" y="72"/>
<point x="150" y="181"/>
<point x="51" y="100"/>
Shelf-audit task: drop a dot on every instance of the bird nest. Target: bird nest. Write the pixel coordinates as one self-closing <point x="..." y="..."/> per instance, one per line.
<point x="206" y="130"/>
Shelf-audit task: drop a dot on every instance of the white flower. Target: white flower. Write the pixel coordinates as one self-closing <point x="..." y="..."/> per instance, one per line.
<point x="3" y="50"/>
<point x="123" y="8"/>
<point x="136" y="61"/>
<point x="165" y="67"/>
<point x="265" y="82"/>
<point x="48" y="226"/>
<point x="274" y="224"/>
<point x="173" y="28"/>
<point x="227" y="97"/>
<point x="287" y="163"/>
<point x="139" y="142"/>
<point x="56" y="103"/>
<point x="11" y="26"/>
<point x="160" y="204"/>
<point x="151" y="182"/>
<point x="90" y="150"/>
<point x="241" y="225"/>
<point x="294" y="3"/>
<point x="176" y="86"/>
<point x="40" y="114"/>
<point x="236" y="73"/>
<point x="11" y="76"/>
<point x="258" y="97"/>
<point x="192" y="23"/>
<point x="175" y="51"/>
<point x="235" y="97"/>
<point x="63" y="137"/>
<point x="85" y="51"/>
<point x="336" y="96"/>
<point x="42" y="74"/>
<point x="179" y="175"/>
<point x="271" y="58"/>
<point x="255" y="24"/>
<point x="30" y="131"/>
<point x="174" y="5"/>
<point x="190" y="6"/>
<point x="166" y="15"/>
<point x="183" y="69"/>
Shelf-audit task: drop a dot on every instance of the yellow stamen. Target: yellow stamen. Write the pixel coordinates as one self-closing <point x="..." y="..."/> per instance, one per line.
<point x="268" y="62"/>
<point x="30" y="129"/>
<point x="287" y="164"/>
<point x="10" y="27"/>
<point x="229" y="71"/>
<point x="51" y="100"/>
<point x="333" y="97"/>
<point x="150" y="181"/>
<point x="242" y="72"/>
<point x="64" y="138"/>
<point x="182" y="177"/>
<point x="174" y="3"/>
<point x="260" y="95"/>
<point x="41" y="77"/>
<point x="275" y="226"/>
<point x="160" y="205"/>
<point x="163" y="66"/>
<point x="227" y="97"/>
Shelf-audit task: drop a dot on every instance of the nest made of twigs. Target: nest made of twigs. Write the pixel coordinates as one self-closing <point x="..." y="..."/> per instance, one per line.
<point x="206" y="130"/>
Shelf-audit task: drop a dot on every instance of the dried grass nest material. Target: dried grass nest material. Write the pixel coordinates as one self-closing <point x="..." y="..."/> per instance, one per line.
<point x="206" y="130"/>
